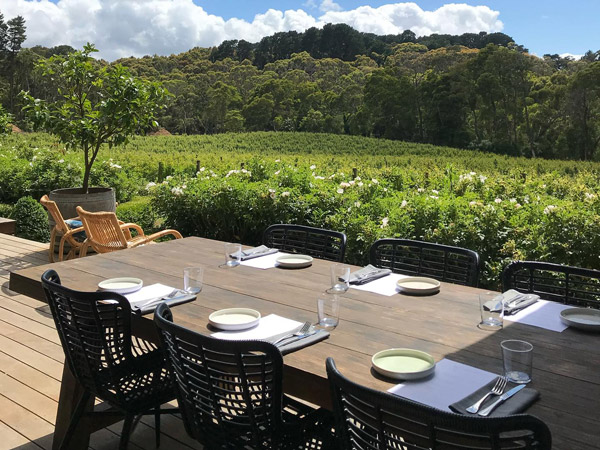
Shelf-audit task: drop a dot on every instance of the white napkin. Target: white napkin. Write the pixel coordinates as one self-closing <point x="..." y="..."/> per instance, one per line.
<point x="148" y="293"/>
<point x="269" y="328"/>
<point x="451" y="382"/>
<point x="542" y="314"/>
<point x="264" y="262"/>
<point x="384" y="286"/>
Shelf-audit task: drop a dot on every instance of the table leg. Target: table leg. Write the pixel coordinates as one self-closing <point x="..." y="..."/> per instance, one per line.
<point x="70" y="393"/>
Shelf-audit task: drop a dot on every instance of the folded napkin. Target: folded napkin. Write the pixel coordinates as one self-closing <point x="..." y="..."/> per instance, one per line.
<point x="542" y="314"/>
<point x="515" y="301"/>
<point x="150" y="292"/>
<point x="368" y="274"/>
<point x="256" y="252"/>
<point x="178" y="300"/>
<point x="297" y="344"/>
<point x="514" y="405"/>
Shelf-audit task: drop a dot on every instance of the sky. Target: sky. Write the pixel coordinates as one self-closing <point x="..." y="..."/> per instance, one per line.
<point x="121" y="28"/>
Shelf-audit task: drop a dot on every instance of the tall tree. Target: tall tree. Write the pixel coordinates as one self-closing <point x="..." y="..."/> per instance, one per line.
<point x="15" y="36"/>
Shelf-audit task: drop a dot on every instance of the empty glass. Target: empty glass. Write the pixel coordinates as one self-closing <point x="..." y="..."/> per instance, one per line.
<point x="491" y="305"/>
<point x="233" y="254"/>
<point x="517" y="358"/>
<point x="340" y="278"/>
<point x="192" y="279"/>
<point x="328" y="311"/>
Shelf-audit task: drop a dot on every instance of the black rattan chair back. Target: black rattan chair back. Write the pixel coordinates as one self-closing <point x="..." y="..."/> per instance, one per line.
<point x="230" y="392"/>
<point x="564" y="284"/>
<point x="443" y="262"/>
<point x="317" y="242"/>
<point x="373" y="420"/>
<point x="95" y="333"/>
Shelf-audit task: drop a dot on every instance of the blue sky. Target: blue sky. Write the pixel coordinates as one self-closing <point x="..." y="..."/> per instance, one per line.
<point x="121" y="28"/>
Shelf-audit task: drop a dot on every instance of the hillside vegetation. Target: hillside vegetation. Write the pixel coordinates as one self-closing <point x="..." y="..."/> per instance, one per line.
<point x="232" y="186"/>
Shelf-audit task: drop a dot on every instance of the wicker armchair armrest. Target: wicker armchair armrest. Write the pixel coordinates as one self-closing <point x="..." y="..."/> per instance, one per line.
<point x="176" y="234"/>
<point x="133" y="226"/>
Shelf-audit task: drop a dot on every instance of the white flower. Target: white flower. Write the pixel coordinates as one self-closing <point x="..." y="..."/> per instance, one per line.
<point x="420" y="190"/>
<point x="277" y="160"/>
<point x="245" y="171"/>
<point x="543" y="186"/>
<point x="472" y="174"/>
<point x="435" y="197"/>
<point x="384" y="189"/>
<point x="61" y="160"/>
<point x="340" y="191"/>
<point x="35" y="157"/>
<point x="202" y="169"/>
<point x="271" y="191"/>
<point x="112" y="165"/>
<point x="384" y="222"/>
<point x="318" y="177"/>
<point x="332" y="176"/>
<point x="403" y="204"/>
<point x="435" y="192"/>
<point x="313" y="167"/>
<point x="150" y="185"/>
<point x="589" y="196"/>
<point x="374" y="181"/>
<point x="277" y="173"/>
<point x="548" y="209"/>
<point x="345" y="185"/>
<point x="357" y="204"/>
<point x="360" y="183"/>
<point x="177" y="191"/>
<point x="498" y="200"/>
<point x="473" y="203"/>
<point x="526" y="199"/>
<point x="168" y="178"/>
<point x="517" y="205"/>
<point x="31" y="164"/>
<point x="513" y="200"/>
<point x="351" y="182"/>
<point x="482" y="178"/>
<point x="357" y="178"/>
<point x="285" y="194"/>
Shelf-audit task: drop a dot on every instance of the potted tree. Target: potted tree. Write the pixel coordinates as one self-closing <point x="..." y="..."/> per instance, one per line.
<point x="95" y="105"/>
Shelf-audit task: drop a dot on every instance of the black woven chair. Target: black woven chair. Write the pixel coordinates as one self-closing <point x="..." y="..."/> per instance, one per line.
<point x="128" y="373"/>
<point x="564" y="284"/>
<point x="230" y="393"/>
<point x="443" y="262"/>
<point x="317" y="242"/>
<point x="367" y="419"/>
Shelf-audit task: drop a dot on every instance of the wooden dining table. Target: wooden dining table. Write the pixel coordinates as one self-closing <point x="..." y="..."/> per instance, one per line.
<point x="566" y="366"/>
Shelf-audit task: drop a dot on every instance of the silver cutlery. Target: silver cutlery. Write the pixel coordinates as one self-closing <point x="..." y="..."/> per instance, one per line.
<point x="159" y="299"/>
<point x="486" y="412"/>
<point x="497" y="389"/>
<point x="304" y="329"/>
<point x="298" y="338"/>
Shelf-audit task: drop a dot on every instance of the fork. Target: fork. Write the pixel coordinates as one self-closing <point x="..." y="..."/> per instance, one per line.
<point x="156" y="300"/>
<point x="301" y="332"/>
<point x="498" y="389"/>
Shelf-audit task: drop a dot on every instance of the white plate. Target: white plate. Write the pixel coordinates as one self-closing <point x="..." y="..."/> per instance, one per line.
<point x="294" y="261"/>
<point x="418" y="285"/>
<point x="403" y="363"/>
<point x="583" y="318"/>
<point x="234" y="319"/>
<point x="125" y="285"/>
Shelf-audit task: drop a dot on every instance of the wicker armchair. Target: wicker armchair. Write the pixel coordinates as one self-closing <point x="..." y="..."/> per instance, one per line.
<point x="317" y="242"/>
<point x="106" y="234"/>
<point x="70" y="231"/>
<point x="128" y="373"/>
<point x="565" y="284"/>
<point x="230" y="393"/>
<point x="445" y="263"/>
<point x="367" y="419"/>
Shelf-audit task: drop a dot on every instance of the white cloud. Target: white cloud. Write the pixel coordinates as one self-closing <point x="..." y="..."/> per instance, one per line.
<point x="138" y="27"/>
<point x="571" y="55"/>
<point x="329" y="5"/>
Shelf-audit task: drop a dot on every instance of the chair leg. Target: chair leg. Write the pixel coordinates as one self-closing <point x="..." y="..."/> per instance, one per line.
<point x="75" y="420"/>
<point x="52" y="242"/>
<point x="157" y="425"/>
<point x="126" y="432"/>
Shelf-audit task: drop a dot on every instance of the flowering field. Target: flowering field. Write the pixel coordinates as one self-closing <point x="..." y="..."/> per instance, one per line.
<point x="505" y="208"/>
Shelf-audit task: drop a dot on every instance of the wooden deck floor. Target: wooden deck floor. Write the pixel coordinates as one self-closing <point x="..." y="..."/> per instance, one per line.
<point x="31" y="363"/>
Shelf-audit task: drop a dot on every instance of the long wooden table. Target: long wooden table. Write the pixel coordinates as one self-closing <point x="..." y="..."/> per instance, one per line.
<point x="566" y="365"/>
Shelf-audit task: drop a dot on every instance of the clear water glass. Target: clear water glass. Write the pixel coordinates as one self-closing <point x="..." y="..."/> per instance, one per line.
<point x="491" y="305"/>
<point x="233" y="254"/>
<point x="517" y="358"/>
<point x="340" y="278"/>
<point x="328" y="311"/>
<point x="192" y="279"/>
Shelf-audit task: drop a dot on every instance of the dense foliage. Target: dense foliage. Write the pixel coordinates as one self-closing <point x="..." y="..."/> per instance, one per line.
<point x="479" y="91"/>
<point x="232" y="186"/>
<point x="31" y="219"/>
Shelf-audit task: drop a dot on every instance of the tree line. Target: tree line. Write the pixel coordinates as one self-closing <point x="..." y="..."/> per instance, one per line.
<point x="479" y="91"/>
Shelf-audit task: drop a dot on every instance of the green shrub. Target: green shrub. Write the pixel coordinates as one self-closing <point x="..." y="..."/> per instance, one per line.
<point x="139" y="211"/>
<point x="32" y="220"/>
<point x="5" y="210"/>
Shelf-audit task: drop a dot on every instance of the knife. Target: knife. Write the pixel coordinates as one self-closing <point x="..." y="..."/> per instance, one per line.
<point x="486" y="412"/>
<point x="296" y="338"/>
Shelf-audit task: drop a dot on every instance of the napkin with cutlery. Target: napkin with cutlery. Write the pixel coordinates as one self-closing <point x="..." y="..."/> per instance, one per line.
<point x="142" y="301"/>
<point x="514" y="405"/>
<point x="257" y="252"/>
<point x="367" y="274"/>
<point x="515" y="301"/>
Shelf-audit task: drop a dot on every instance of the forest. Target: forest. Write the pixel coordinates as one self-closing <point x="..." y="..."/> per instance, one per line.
<point x="474" y="91"/>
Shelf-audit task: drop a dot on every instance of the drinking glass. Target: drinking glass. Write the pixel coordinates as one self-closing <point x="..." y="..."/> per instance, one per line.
<point x="340" y="278"/>
<point x="328" y="310"/>
<point x="517" y="358"/>
<point x="491" y="305"/>
<point x="233" y="254"/>
<point x="192" y="279"/>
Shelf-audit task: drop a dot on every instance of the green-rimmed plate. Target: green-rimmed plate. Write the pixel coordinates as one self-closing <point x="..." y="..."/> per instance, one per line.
<point x="403" y="363"/>
<point x="582" y="318"/>
<point x="123" y="285"/>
